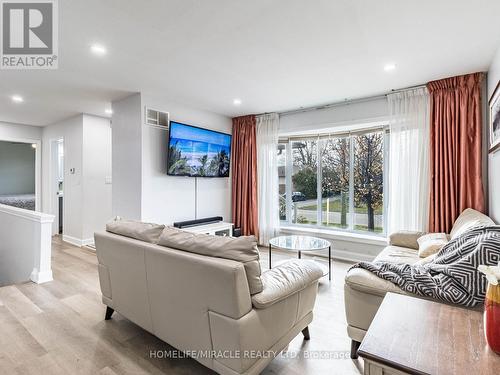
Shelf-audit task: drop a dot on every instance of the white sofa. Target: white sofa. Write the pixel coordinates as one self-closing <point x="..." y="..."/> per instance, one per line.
<point x="202" y="304"/>
<point x="364" y="292"/>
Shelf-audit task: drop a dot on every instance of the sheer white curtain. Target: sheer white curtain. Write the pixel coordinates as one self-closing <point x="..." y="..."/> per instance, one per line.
<point x="409" y="160"/>
<point x="267" y="176"/>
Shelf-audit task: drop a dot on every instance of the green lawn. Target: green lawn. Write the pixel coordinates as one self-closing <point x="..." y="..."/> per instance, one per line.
<point x="336" y="206"/>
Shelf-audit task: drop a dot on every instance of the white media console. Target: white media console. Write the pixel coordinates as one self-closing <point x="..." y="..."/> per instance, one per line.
<point x="220" y="228"/>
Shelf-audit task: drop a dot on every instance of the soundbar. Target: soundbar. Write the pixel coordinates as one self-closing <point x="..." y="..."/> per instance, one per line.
<point x="193" y="223"/>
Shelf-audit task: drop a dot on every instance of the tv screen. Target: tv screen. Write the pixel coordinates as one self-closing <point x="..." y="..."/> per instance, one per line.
<point x="197" y="152"/>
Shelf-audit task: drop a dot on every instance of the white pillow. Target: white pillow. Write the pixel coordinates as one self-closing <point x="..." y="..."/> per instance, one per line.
<point x="431" y="244"/>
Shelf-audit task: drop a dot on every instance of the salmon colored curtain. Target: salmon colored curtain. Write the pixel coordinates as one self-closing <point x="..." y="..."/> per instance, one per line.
<point x="456" y="171"/>
<point x="244" y="175"/>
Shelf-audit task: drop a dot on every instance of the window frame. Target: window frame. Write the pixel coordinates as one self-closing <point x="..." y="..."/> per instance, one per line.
<point x="320" y="144"/>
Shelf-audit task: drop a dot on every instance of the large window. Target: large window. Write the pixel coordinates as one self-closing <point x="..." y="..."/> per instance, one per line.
<point x="334" y="182"/>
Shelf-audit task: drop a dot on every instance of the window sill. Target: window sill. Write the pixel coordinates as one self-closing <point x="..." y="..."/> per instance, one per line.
<point x="336" y="235"/>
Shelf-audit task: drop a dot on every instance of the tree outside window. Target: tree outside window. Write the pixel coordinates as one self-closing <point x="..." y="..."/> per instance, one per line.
<point x="341" y="176"/>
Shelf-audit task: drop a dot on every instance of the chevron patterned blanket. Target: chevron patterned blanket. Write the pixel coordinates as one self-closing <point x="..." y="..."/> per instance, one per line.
<point x="452" y="276"/>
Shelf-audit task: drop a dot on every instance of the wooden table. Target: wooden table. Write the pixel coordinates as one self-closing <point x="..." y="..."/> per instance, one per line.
<point x="415" y="336"/>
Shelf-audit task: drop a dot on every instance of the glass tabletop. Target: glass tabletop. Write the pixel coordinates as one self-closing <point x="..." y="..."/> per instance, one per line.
<point x="301" y="243"/>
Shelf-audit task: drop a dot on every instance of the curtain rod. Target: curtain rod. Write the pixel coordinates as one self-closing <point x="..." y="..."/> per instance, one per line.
<point x="344" y="102"/>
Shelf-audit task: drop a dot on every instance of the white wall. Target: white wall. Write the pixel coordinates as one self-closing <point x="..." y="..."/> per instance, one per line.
<point x="17" y="168"/>
<point x="166" y="199"/>
<point x="97" y="188"/>
<point x="71" y="130"/>
<point x="14" y="132"/>
<point x="87" y="196"/>
<point x="127" y="157"/>
<point x="494" y="159"/>
<point x="144" y="191"/>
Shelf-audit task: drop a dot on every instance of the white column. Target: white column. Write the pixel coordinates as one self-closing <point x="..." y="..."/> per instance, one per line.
<point x="42" y="268"/>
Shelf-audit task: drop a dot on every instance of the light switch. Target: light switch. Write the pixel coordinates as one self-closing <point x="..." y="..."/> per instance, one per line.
<point x="108" y="180"/>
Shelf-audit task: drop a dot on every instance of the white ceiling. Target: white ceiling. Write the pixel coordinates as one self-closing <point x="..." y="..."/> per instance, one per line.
<point x="274" y="55"/>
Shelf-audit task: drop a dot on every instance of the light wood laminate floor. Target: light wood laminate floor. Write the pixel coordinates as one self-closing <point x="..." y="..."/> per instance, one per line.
<point x="59" y="328"/>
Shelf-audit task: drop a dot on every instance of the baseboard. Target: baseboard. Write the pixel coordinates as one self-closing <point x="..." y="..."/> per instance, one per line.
<point x="351" y="256"/>
<point x="41" y="277"/>
<point x="88" y="241"/>
<point x="342" y="255"/>
<point x="77" y="241"/>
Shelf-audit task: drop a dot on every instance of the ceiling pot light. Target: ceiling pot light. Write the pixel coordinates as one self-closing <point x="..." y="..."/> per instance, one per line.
<point x="17" y="99"/>
<point x="237" y="101"/>
<point x="389" y="67"/>
<point x="98" y="49"/>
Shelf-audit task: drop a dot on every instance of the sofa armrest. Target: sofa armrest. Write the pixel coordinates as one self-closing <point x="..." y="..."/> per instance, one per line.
<point x="285" y="280"/>
<point x="405" y="239"/>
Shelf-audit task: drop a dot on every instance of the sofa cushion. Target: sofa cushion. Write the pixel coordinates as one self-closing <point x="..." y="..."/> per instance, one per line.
<point x="241" y="249"/>
<point x="468" y="219"/>
<point x="365" y="281"/>
<point x="431" y="243"/>
<point x="405" y="238"/>
<point x="286" y="279"/>
<point x="147" y="232"/>
<point x="398" y="254"/>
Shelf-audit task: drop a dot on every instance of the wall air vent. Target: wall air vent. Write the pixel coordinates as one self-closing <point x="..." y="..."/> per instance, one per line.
<point x="156" y="118"/>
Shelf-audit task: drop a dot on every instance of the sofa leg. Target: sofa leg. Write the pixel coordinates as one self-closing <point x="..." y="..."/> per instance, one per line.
<point x="305" y="332"/>
<point x="109" y="312"/>
<point x="354" y="349"/>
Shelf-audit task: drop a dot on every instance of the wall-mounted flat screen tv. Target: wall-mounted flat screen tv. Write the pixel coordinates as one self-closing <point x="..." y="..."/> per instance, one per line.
<point x="197" y="152"/>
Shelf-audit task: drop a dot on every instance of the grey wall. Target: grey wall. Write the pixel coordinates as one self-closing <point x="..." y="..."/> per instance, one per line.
<point x="17" y="168"/>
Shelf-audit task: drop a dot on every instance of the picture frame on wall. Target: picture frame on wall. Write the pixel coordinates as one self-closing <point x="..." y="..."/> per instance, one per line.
<point x="494" y="105"/>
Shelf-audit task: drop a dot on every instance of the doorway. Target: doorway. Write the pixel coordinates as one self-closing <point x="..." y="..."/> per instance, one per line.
<point x="18" y="174"/>
<point x="57" y="185"/>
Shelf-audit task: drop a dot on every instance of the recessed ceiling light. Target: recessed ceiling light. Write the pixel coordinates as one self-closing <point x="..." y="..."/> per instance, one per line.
<point x="17" y="99"/>
<point x="98" y="49"/>
<point x="389" y="67"/>
<point x="237" y="101"/>
<point x="108" y="111"/>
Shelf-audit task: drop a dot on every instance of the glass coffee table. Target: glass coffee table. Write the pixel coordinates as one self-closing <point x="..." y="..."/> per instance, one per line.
<point x="300" y="244"/>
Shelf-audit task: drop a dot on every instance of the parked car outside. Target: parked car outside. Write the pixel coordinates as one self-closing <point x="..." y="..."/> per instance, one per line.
<point x="297" y="196"/>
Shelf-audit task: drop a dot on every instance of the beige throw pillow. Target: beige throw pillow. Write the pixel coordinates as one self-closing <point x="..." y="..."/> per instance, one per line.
<point x="147" y="232"/>
<point x="431" y="244"/>
<point x="241" y="249"/>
